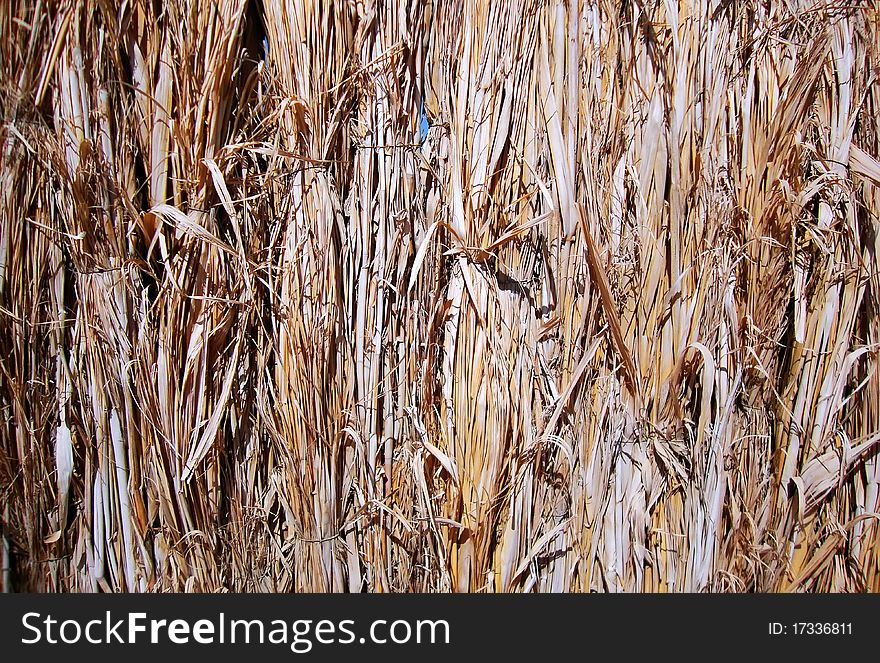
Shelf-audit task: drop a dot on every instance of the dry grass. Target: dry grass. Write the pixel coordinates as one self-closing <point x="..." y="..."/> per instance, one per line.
<point x="446" y="296"/>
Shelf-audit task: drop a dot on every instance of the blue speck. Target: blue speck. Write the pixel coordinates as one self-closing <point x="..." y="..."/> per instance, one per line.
<point x="423" y="125"/>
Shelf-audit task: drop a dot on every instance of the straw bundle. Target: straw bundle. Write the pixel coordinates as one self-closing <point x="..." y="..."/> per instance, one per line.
<point x="445" y="296"/>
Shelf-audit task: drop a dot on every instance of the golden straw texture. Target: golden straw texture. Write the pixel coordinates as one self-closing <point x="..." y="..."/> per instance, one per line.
<point x="513" y="296"/>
